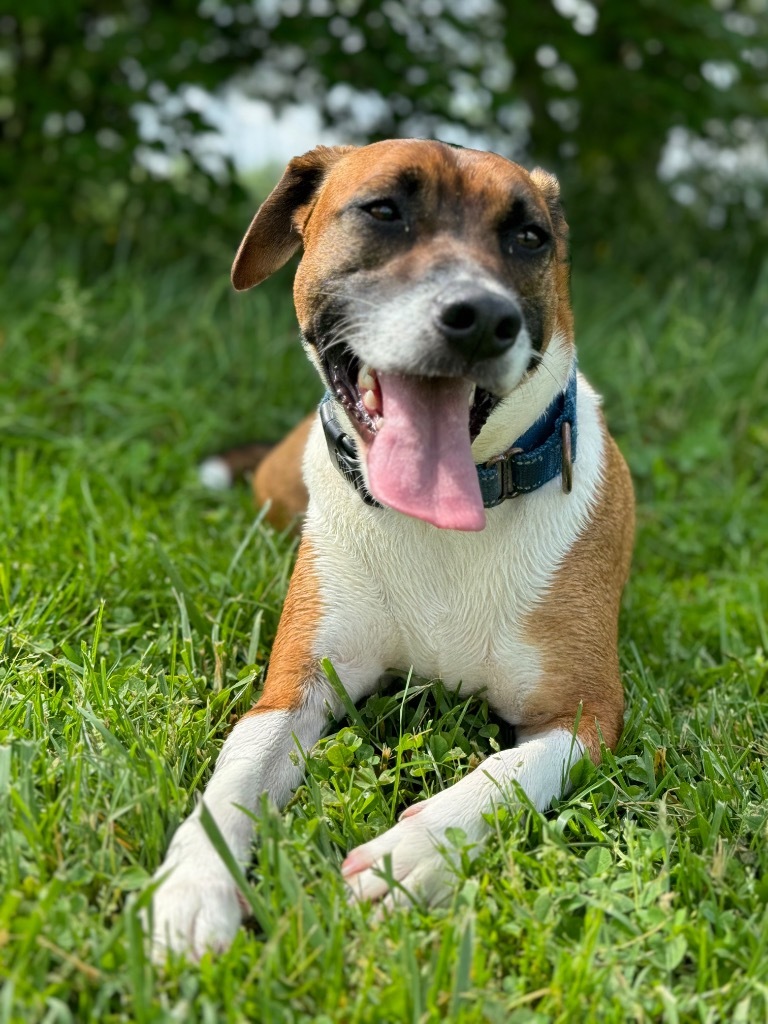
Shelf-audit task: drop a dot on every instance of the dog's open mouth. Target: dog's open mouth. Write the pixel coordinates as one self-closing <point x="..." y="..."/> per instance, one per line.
<point x="416" y="435"/>
<point x="357" y="388"/>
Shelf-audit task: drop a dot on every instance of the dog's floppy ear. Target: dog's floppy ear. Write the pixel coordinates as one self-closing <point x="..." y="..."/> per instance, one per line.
<point x="549" y="187"/>
<point x="275" y="231"/>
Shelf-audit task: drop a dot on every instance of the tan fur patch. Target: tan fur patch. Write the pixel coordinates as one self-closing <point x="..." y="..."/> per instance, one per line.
<point x="278" y="478"/>
<point x="292" y="664"/>
<point x="576" y="624"/>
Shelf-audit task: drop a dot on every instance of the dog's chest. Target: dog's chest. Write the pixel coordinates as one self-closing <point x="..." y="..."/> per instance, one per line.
<point x="397" y="594"/>
<point x="456" y="608"/>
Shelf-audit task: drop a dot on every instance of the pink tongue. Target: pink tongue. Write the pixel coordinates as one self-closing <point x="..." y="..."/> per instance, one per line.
<point x="420" y="461"/>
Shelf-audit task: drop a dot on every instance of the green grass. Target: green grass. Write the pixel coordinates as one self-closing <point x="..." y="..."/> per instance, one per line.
<point x="137" y="613"/>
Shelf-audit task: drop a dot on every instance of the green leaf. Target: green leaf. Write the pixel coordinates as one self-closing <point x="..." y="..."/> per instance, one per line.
<point x="598" y="860"/>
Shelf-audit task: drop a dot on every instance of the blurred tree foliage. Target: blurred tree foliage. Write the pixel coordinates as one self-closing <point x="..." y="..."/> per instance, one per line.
<point x="590" y="88"/>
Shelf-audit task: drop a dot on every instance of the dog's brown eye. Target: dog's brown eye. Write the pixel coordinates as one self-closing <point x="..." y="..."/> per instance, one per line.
<point x="530" y="238"/>
<point x="383" y="211"/>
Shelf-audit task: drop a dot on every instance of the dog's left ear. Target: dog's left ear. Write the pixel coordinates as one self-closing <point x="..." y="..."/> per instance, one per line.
<point x="275" y="231"/>
<point x="549" y="187"/>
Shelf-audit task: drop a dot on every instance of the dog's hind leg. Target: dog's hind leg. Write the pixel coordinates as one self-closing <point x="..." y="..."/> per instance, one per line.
<point x="196" y="905"/>
<point x="274" y="470"/>
<point x="279" y="481"/>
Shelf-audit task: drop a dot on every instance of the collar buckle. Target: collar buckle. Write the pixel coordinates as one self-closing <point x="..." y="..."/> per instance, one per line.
<point x="342" y="451"/>
<point x="340" y="448"/>
<point x="504" y="464"/>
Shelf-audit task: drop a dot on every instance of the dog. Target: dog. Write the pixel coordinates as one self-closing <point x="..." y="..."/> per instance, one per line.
<point x="469" y="516"/>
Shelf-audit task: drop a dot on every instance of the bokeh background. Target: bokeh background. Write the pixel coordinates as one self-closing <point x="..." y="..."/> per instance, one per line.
<point x="138" y="609"/>
<point x="118" y="115"/>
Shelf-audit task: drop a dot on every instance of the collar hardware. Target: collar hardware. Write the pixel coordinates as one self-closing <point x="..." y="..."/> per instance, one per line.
<point x="566" y="461"/>
<point x="503" y="464"/>
<point x="343" y="452"/>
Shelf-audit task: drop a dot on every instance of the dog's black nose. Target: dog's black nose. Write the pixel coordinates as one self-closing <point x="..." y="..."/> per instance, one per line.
<point x="479" y="324"/>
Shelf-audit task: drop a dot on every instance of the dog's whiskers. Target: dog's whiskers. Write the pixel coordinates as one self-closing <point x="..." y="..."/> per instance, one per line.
<point x="359" y="300"/>
<point x="342" y="335"/>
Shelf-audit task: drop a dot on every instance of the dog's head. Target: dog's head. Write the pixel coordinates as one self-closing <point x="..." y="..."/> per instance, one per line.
<point x="432" y="283"/>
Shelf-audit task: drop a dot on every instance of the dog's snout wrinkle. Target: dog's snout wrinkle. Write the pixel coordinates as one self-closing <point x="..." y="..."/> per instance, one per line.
<point x="478" y="324"/>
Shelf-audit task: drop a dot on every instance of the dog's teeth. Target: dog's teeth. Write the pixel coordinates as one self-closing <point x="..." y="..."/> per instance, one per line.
<point x="472" y="394"/>
<point x="366" y="379"/>
<point x="371" y="401"/>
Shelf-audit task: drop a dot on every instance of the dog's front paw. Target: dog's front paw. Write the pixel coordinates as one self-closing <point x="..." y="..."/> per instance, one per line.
<point x="196" y="906"/>
<point x="414" y="860"/>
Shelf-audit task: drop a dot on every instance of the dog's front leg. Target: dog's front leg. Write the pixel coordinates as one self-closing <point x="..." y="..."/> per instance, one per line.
<point x="196" y="905"/>
<point x="413" y="860"/>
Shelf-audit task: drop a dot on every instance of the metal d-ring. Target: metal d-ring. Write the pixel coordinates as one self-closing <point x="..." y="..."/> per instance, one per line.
<point x="566" y="463"/>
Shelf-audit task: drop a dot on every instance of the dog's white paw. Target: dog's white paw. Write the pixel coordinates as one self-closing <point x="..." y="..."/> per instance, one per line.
<point x="414" y="860"/>
<point x="196" y="906"/>
<point x="193" y="912"/>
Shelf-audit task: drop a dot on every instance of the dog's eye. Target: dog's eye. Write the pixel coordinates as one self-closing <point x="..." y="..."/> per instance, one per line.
<point x="529" y="237"/>
<point x="383" y="209"/>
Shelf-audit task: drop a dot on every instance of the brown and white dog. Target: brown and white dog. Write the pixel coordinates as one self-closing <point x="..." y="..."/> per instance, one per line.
<point x="433" y="300"/>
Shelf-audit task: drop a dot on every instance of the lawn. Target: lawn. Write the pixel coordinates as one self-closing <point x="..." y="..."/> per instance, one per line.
<point x="136" y="617"/>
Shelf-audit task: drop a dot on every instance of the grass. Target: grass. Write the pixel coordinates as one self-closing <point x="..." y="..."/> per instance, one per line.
<point x="136" y="617"/>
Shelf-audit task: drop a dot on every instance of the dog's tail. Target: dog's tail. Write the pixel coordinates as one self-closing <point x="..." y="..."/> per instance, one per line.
<point x="219" y="472"/>
<point x="274" y="469"/>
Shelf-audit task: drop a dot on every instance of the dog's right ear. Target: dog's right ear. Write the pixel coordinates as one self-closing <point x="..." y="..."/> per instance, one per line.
<point x="549" y="187"/>
<point x="275" y="231"/>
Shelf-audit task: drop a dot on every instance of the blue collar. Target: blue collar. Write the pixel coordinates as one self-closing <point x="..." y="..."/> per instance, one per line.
<point x="546" y="450"/>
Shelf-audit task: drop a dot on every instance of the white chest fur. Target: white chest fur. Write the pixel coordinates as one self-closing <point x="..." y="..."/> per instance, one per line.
<point x="399" y="593"/>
